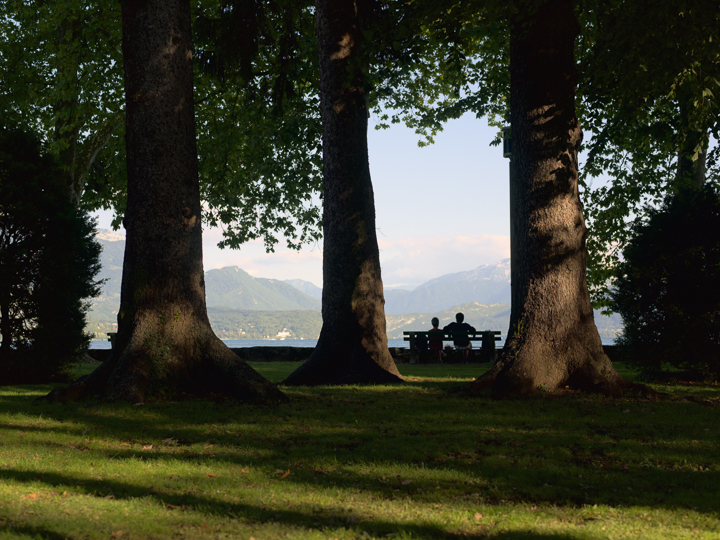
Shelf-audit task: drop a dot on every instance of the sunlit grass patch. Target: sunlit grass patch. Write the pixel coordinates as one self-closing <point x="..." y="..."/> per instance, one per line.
<point x="400" y="461"/>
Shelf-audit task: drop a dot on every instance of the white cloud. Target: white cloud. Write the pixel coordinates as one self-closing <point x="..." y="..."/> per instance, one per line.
<point x="410" y="262"/>
<point x="406" y="262"/>
<point x="251" y="257"/>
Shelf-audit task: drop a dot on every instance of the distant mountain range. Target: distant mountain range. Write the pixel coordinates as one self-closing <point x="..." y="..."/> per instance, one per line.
<point x="233" y="295"/>
<point x="229" y="288"/>
<point x="305" y="286"/>
<point x="487" y="284"/>
<point x="232" y="287"/>
<point x="480" y="316"/>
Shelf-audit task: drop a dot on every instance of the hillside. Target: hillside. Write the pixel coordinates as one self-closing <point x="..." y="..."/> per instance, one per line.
<point x="103" y="312"/>
<point x="482" y="317"/>
<point x="487" y="284"/>
<point x="244" y="307"/>
<point x="247" y="324"/>
<point x="229" y="287"/>
<point x="232" y="287"/>
<point x="305" y="286"/>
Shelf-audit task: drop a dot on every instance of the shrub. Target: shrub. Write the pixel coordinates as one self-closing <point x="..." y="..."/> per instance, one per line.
<point x="668" y="286"/>
<point x="48" y="263"/>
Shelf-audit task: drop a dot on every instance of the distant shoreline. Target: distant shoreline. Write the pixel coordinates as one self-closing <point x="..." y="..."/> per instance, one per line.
<point x="302" y="343"/>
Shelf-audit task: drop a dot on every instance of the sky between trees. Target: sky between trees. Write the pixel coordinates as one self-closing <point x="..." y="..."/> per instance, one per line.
<point x="440" y="209"/>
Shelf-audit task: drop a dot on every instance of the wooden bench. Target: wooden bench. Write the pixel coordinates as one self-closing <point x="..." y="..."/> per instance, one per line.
<point x="487" y="337"/>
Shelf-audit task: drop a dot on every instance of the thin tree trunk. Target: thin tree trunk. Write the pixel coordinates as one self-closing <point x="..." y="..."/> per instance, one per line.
<point x="691" y="172"/>
<point x="552" y="342"/>
<point x="75" y="157"/>
<point x="6" y="336"/>
<point x="88" y="150"/>
<point x="164" y="343"/>
<point x="67" y="129"/>
<point x="352" y="347"/>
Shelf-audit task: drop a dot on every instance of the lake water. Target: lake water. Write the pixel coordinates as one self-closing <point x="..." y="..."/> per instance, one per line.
<point x="240" y="343"/>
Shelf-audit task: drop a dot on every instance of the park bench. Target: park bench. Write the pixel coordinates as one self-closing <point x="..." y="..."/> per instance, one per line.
<point x="487" y="337"/>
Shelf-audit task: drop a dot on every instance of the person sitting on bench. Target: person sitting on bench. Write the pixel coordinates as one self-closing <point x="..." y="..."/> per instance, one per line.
<point x="436" y="344"/>
<point x="461" y="343"/>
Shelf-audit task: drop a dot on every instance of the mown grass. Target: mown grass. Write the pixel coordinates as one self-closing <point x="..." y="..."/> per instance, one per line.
<point x="401" y="462"/>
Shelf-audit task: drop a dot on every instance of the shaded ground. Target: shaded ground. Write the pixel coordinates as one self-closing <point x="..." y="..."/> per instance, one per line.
<point x="362" y="462"/>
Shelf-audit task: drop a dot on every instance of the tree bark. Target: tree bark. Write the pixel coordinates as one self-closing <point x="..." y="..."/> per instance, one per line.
<point x="165" y="345"/>
<point x="67" y="127"/>
<point x="352" y="347"/>
<point x="552" y="342"/>
<point x="6" y="336"/>
<point x="691" y="172"/>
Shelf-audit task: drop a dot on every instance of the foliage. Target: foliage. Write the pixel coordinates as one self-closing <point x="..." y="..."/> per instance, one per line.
<point x="667" y="285"/>
<point x="649" y="99"/>
<point x="256" y="96"/>
<point x="61" y="67"/>
<point x="48" y="263"/>
<point x="258" y="120"/>
<point x="357" y="463"/>
<point x="256" y="86"/>
<point x="437" y="60"/>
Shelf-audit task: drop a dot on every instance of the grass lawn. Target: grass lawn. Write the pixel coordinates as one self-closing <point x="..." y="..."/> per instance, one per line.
<point x="400" y="462"/>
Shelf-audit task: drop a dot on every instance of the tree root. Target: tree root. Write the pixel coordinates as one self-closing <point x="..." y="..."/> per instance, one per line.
<point x="341" y="368"/>
<point x="504" y="380"/>
<point x="126" y="377"/>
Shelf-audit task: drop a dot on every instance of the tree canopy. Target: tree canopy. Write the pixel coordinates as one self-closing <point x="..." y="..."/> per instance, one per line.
<point x="61" y="66"/>
<point x="61" y="75"/>
<point x="647" y="99"/>
<point x="650" y="100"/>
<point x="649" y="77"/>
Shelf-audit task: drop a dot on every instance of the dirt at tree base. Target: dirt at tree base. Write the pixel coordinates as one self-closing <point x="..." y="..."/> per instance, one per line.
<point x="344" y="367"/>
<point x="518" y="373"/>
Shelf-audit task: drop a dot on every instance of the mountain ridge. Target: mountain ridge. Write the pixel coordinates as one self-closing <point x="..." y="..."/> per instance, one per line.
<point x="488" y="284"/>
<point x="232" y="295"/>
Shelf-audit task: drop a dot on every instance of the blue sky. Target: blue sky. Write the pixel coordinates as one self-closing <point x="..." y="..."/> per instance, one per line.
<point x="439" y="209"/>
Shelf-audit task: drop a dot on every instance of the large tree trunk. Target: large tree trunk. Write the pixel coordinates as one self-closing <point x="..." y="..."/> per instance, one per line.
<point x="352" y="347"/>
<point x="165" y="344"/>
<point x="552" y="342"/>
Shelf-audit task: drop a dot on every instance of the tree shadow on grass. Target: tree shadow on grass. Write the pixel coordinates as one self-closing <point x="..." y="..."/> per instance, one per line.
<point x="308" y="518"/>
<point x="570" y="452"/>
<point x="27" y="531"/>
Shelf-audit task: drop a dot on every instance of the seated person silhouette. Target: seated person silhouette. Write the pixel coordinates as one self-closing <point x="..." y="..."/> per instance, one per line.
<point x="436" y="344"/>
<point x="461" y="343"/>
